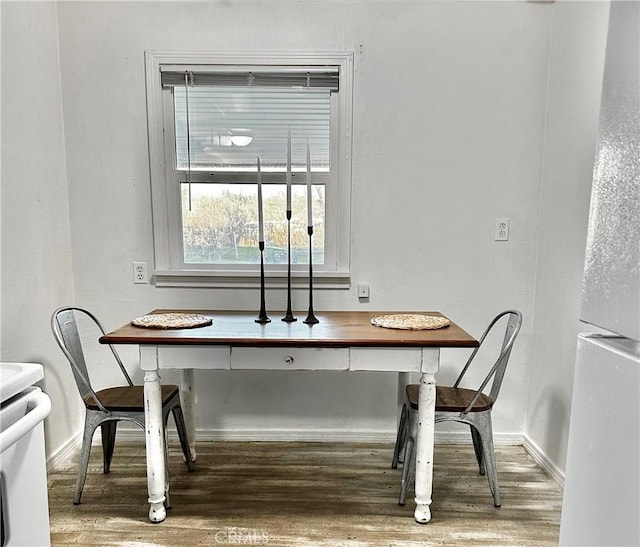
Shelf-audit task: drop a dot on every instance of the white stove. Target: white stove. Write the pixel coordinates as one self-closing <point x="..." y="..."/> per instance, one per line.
<point x="24" y="509"/>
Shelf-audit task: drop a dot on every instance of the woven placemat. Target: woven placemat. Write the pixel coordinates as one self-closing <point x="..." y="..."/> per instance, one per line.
<point x="172" y="321"/>
<point x="410" y="321"/>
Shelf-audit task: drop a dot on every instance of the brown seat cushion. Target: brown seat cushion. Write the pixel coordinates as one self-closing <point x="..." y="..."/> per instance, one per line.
<point x="451" y="399"/>
<point x="127" y="398"/>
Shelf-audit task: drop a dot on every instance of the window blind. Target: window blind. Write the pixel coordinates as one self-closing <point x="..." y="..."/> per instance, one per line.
<point x="293" y="77"/>
<point x="220" y="112"/>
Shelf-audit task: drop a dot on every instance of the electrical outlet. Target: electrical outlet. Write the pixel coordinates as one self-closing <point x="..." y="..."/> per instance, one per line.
<point x="501" y="230"/>
<point x="363" y="291"/>
<point x="140" y="272"/>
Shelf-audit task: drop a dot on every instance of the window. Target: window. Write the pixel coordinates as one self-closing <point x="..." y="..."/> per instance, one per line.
<point x="211" y="119"/>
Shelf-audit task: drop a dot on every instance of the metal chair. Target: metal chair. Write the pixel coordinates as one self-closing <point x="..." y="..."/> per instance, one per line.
<point x="462" y="405"/>
<point x="106" y="407"/>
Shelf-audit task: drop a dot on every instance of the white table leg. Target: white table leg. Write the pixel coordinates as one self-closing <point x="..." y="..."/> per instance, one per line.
<point x="154" y="434"/>
<point x="188" y="401"/>
<point x="426" y="427"/>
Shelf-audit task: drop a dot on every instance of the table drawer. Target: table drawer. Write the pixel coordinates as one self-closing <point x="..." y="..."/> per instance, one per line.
<point x="386" y="359"/>
<point x="290" y="358"/>
<point x="199" y="357"/>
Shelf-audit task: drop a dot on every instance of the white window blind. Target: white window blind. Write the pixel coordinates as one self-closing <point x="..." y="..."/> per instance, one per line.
<point x="300" y="77"/>
<point x="262" y="106"/>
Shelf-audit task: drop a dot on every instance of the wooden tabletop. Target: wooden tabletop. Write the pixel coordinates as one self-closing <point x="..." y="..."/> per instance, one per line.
<point x="335" y="329"/>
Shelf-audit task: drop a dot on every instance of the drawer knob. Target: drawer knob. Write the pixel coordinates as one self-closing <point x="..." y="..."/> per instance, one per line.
<point x="289" y="359"/>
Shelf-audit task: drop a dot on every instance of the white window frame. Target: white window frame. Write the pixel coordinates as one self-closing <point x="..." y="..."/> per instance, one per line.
<point x="169" y="268"/>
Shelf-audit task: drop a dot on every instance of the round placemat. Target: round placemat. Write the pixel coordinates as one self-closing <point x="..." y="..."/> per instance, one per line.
<point x="172" y="321"/>
<point x="410" y="321"/>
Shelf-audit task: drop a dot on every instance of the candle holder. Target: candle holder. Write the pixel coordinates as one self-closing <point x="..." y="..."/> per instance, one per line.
<point x="311" y="318"/>
<point x="262" y="316"/>
<point x="289" y="318"/>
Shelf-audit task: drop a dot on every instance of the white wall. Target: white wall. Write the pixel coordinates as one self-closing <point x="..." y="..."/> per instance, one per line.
<point x="575" y="77"/>
<point x="448" y="130"/>
<point x="450" y="107"/>
<point x="36" y="245"/>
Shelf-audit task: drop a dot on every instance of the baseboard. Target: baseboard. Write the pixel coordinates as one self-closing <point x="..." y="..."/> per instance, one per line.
<point x="543" y="461"/>
<point x="60" y="458"/>
<point x="278" y="435"/>
<point x="319" y="435"/>
<point x="464" y="437"/>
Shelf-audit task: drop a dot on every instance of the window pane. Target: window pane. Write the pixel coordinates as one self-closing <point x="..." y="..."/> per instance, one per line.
<point x="222" y="225"/>
<point x="218" y="115"/>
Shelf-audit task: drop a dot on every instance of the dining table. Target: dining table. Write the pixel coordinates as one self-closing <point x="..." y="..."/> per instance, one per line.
<point x="341" y="341"/>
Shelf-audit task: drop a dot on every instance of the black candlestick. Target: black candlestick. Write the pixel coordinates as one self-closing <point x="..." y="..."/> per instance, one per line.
<point x="311" y="318"/>
<point x="289" y="318"/>
<point x="262" y="316"/>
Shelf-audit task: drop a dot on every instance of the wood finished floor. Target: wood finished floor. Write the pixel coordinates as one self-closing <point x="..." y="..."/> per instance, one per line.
<point x="304" y="494"/>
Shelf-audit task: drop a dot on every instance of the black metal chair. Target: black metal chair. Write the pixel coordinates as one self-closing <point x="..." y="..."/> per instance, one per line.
<point x="468" y="406"/>
<point x="107" y="407"/>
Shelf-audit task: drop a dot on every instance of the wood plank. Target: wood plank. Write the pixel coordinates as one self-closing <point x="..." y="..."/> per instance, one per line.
<point x="335" y="329"/>
<point x="304" y="494"/>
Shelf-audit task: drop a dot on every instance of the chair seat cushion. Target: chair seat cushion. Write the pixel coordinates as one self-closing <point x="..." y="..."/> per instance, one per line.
<point x="127" y="398"/>
<point x="451" y="399"/>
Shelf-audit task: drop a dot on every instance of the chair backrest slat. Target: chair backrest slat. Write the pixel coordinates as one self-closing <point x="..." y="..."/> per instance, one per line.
<point x="68" y="338"/>
<point x="496" y="373"/>
<point x="511" y="332"/>
<point x="65" y="331"/>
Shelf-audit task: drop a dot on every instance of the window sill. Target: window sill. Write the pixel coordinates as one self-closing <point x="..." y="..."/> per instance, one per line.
<point x="249" y="280"/>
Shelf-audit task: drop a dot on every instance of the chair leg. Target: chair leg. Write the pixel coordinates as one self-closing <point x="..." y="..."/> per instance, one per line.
<point x="485" y="430"/>
<point x="401" y="437"/>
<point x="178" y="417"/>
<point x="167" y="494"/>
<point x="90" y="425"/>
<point x="108" y="443"/>
<point x="477" y="447"/>
<point x="407" y="469"/>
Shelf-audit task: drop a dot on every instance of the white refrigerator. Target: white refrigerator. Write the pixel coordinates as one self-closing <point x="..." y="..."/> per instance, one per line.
<point x="601" y="504"/>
